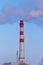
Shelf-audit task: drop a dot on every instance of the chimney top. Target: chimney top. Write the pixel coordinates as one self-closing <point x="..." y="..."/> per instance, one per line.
<point x="21" y="21"/>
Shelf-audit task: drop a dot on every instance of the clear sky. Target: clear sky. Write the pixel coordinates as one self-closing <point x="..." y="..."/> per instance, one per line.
<point x="33" y="30"/>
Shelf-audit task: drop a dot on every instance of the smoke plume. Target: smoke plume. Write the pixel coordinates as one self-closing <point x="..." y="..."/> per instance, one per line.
<point x="8" y="12"/>
<point x="41" y="63"/>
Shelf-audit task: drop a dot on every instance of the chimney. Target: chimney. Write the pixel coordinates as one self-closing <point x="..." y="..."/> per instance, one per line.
<point x="21" y="47"/>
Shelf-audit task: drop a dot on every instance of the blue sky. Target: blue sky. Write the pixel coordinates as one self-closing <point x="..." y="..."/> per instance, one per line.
<point x="33" y="33"/>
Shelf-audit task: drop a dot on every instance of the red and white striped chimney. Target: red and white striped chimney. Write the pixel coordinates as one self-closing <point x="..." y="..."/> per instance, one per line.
<point x="21" y="49"/>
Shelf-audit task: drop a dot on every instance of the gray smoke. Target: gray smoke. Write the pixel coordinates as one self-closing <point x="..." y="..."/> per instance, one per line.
<point x="41" y="63"/>
<point x="9" y="12"/>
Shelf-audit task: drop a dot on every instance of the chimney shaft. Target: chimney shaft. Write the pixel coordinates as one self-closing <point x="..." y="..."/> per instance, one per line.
<point x="21" y="48"/>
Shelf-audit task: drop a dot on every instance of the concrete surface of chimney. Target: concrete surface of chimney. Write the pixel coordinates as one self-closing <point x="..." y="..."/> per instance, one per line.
<point x="21" y="48"/>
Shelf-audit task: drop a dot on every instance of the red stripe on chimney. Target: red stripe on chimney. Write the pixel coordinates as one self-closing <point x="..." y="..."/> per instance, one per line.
<point x="21" y="32"/>
<point x="21" y="40"/>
